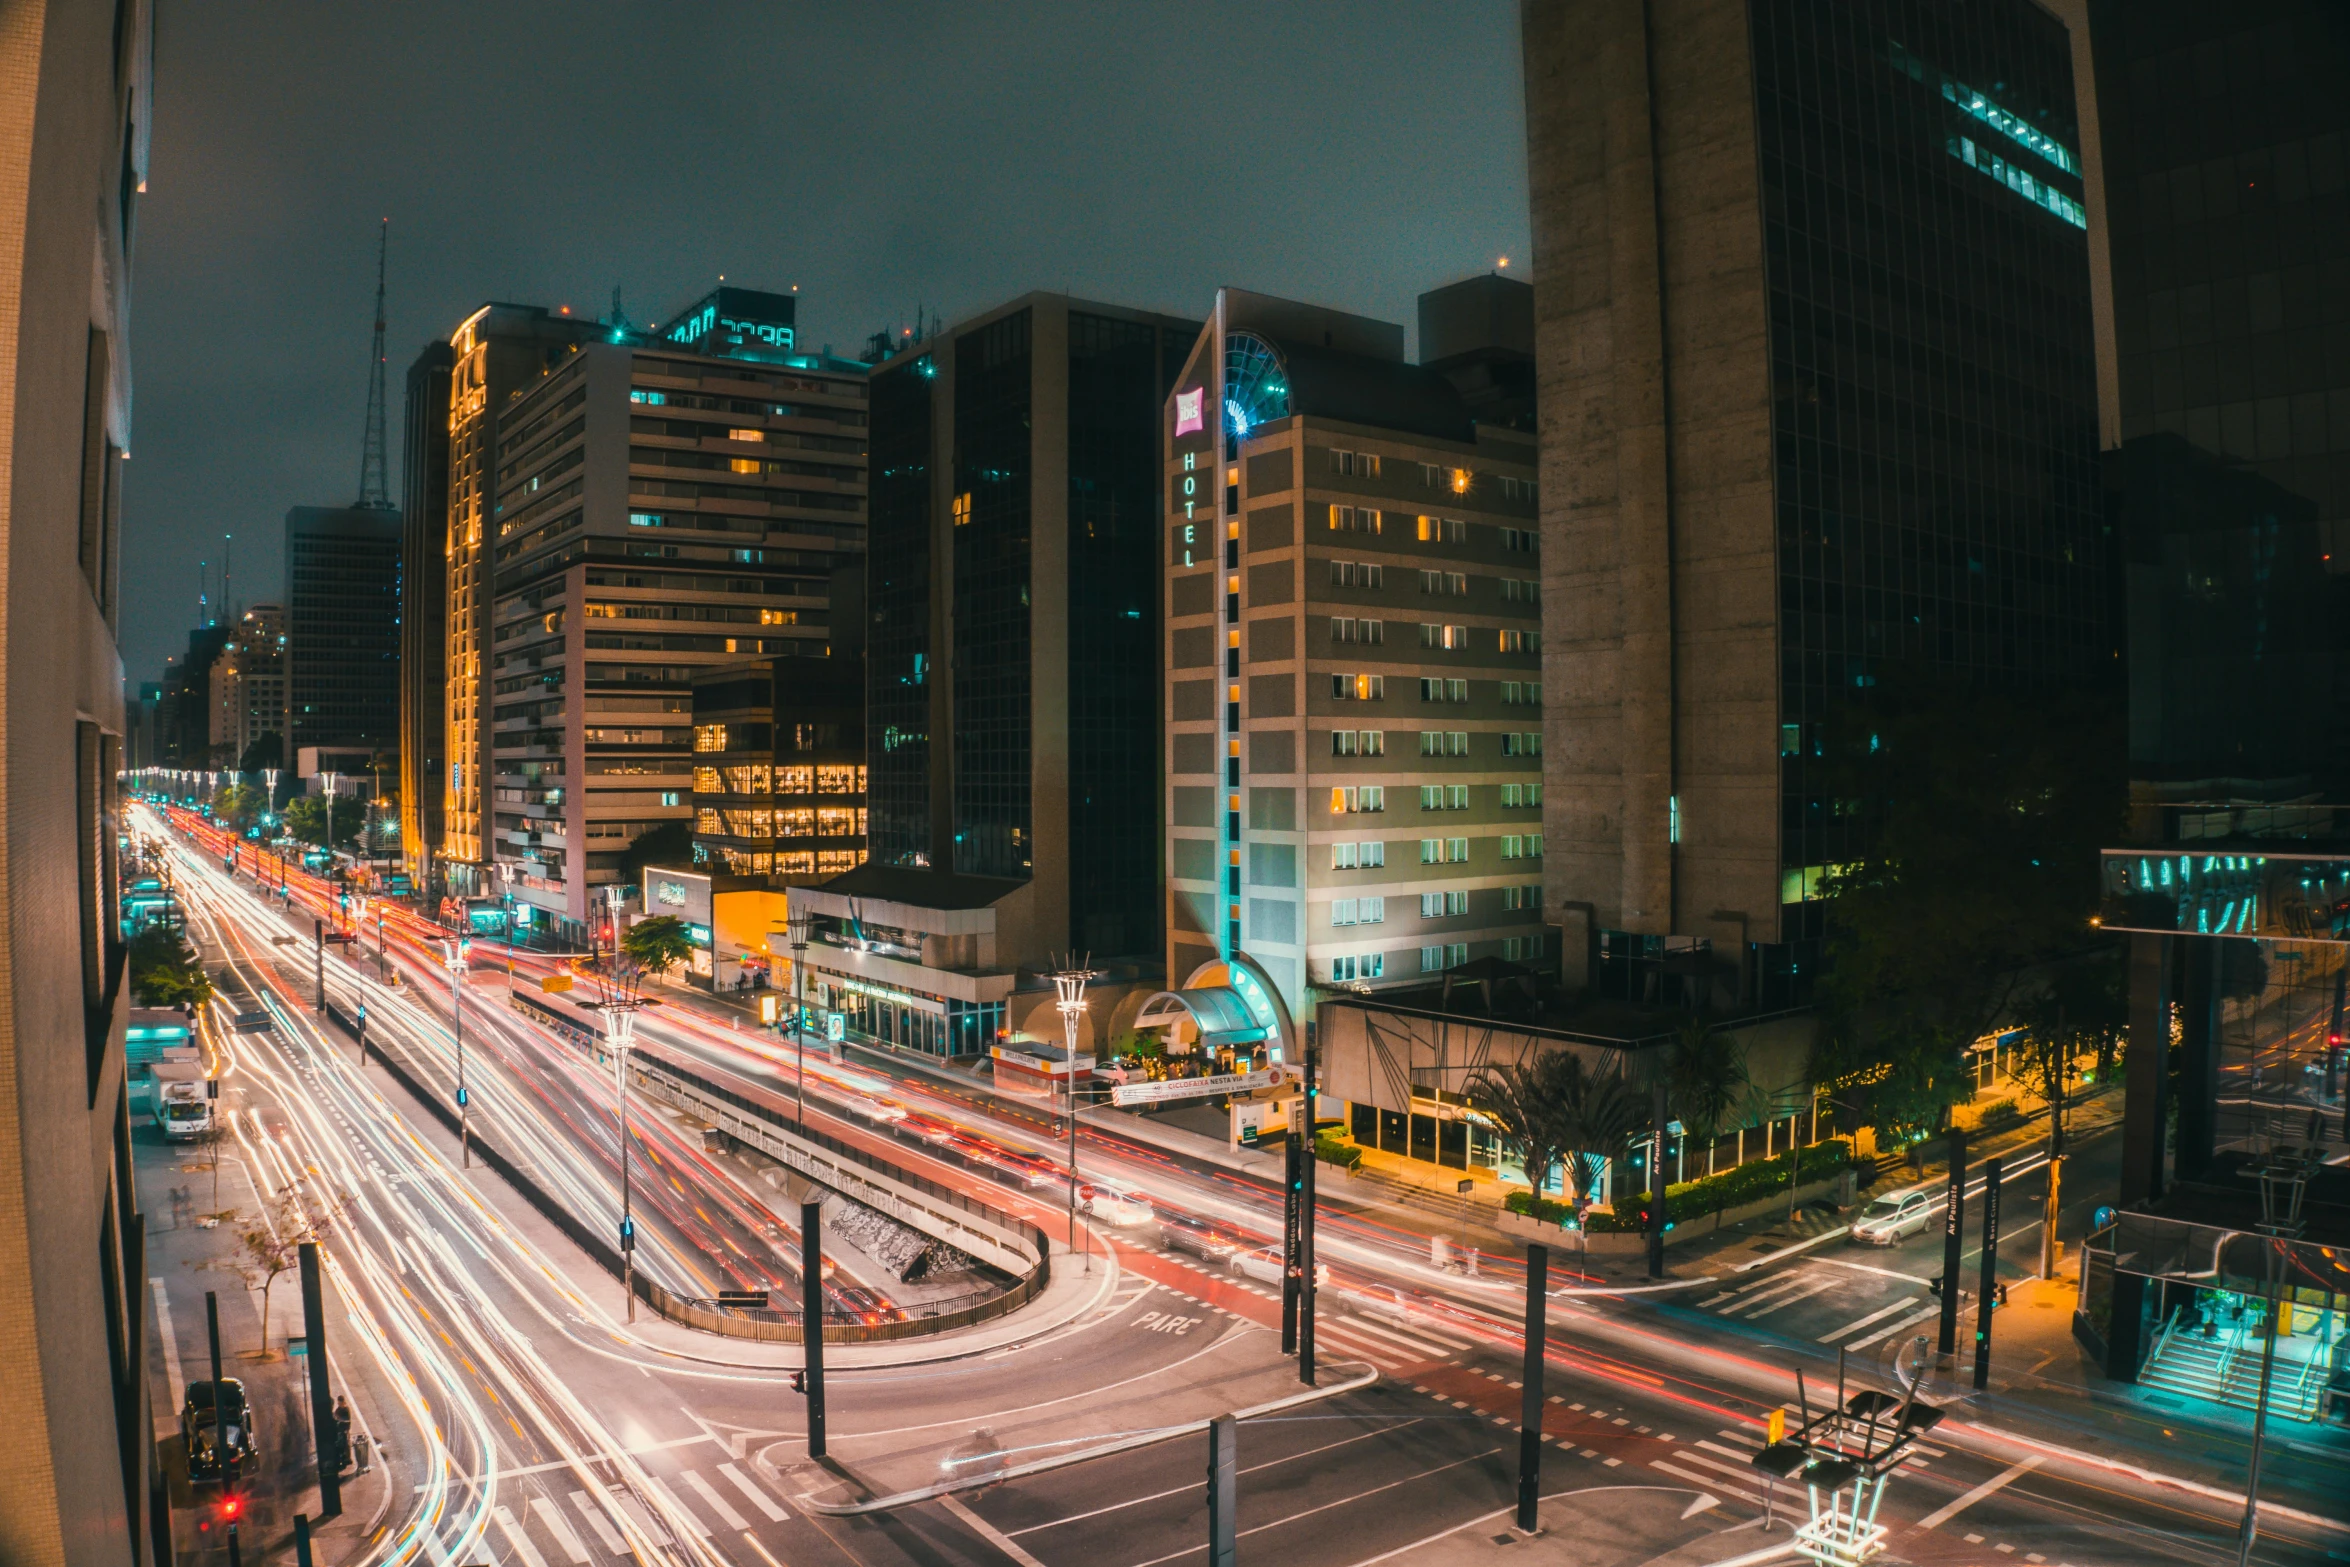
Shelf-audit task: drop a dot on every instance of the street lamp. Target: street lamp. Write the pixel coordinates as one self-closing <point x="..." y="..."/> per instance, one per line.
<point x="455" y="953"/>
<point x="622" y="984"/>
<point x="797" y="925"/>
<point x="1069" y="990"/>
<point x="330" y="780"/>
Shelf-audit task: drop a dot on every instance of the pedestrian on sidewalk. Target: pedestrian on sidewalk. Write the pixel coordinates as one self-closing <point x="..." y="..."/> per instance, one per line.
<point x="342" y="1432"/>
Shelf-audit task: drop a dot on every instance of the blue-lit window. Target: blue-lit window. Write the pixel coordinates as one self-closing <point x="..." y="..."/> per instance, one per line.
<point x="649" y="399"/>
<point x="2036" y="191"/>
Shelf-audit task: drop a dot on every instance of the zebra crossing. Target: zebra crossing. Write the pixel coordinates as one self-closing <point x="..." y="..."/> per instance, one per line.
<point x="1800" y="1287"/>
<point x="1389" y="1345"/>
<point x="537" y="1531"/>
<point x="1723" y="1464"/>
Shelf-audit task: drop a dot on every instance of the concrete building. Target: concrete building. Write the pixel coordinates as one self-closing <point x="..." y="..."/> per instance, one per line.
<point x="496" y="352"/>
<point x="1353" y="655"/>
<point x="1814" y="356"/>
<point x="83" y="1486"/>
<point x="424" y="610"/>
<point x="663" y="504"/>
<point x="248" y="686"/>
<point x="342" y="627"/>
<point x="1012" y="715"/>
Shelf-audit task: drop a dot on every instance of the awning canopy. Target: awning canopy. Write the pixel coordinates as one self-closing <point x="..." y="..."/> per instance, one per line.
<point x="1224" y="1019"/>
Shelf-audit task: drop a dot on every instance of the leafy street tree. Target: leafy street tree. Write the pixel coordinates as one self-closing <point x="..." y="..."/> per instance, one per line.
<point x="271" y="1245"/>
<point x="1559" y="1113"/>
<point x="164" y="971"/>
<point x="658" y="944"/>
<point x="239" y="805"/>
<point x="2081" y="1012"/>
<point x="306" y="817"/>
<point x="1706" y="1080"/>
<point x="1975" y="817"/>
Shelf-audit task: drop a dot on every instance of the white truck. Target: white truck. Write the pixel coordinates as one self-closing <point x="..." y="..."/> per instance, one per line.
<point x="181" y="1109"/>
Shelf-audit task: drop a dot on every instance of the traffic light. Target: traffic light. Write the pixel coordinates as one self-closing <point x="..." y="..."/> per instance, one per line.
<point x="799" y="1382"/>
<point x="229" y="1508"/>
<point x="1934" y="1286"/>
<point x="628" y="1235"/>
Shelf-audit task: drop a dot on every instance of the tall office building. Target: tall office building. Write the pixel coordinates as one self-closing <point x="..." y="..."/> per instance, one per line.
<point x="779" y="767"/>
<point x="1818" y="398"/>
<point x="83" y="1485"/>
<point x="663" y="503"/>
<point x="424" y="609"/>
<point x="248" y="686"/>
<point x="342" y="628"/>
<point x="496" y="352"/>
<point x="1353" y="654"/>
<point x="1012" y="729"/>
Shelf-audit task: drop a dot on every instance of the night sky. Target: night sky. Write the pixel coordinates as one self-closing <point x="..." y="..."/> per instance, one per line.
<point x="885" y="158"/>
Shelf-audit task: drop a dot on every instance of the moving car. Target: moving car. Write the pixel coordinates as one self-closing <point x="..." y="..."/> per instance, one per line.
<point x="1112" y="1206"/>
<point x="201" y="1426"/>
<point x="1264" y="1265"/>
<point x="1888" y="1219"/>
<point x="1178" y="1232"/>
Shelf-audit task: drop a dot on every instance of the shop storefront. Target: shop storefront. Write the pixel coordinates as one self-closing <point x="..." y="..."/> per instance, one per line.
<point x="879" y="1014"/>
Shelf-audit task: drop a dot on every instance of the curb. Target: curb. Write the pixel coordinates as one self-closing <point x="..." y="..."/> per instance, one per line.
<point x="930" y="1493"/>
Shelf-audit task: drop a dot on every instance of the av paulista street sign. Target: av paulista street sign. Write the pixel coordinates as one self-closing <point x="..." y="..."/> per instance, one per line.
<point x="1196" y="1087"/>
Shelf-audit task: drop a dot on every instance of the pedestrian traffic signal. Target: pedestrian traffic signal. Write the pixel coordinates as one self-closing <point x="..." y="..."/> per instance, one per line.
<point x="230" y="1507"/>
<point x="1934" y="1286"/>
<point x="463" y="1098"/>
<point x="799" y="1382"/>
<point x="628" y="1235"/>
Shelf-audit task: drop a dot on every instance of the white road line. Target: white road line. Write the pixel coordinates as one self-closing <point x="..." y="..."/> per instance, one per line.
<point x="1774" y="1281"/>
<point x="520" y="1541"/>
<point x="171" y="1348"/>
<point x="1358" y="1325"/>
<point x="759" y="1498"/>
<point x="2013" y="1471"/>
<point x="551" y="1520"/>
<point x="594" y="1514"/>
<point x="1899" y="1324"/>
<point x="629" y="1503"/>
<point x="1878" y="1315"/>
<point x="1384" y="1356"/>
<point x="1778" y="1286"/>
<point x="987" y="1531"/>
<point x="718" y="1504"/>
<point x="1818" y="1287"/>
<point x="1706" y="1482"/>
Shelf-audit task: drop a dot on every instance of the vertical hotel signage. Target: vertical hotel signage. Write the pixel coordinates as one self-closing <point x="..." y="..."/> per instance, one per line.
<point x="1190" y="419"/>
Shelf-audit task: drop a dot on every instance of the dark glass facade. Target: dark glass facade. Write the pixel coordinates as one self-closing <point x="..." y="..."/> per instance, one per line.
<point x="1119" y="374"/>
<point x="993" y="706"/>
<point x="1931" y="360"/>
<point x="898" y="652"/>
<point x="343" y="627"/>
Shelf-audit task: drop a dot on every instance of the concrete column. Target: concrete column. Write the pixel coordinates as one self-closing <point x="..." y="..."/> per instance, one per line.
<point x="2199" y="1054"/>
<point x="1643" y="475"/>
<point x="2146" y="1073"/>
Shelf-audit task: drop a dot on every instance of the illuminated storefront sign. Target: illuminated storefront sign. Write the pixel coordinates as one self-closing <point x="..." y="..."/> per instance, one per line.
<point x="1191" y="411"/>
<point x="754" y="319"/>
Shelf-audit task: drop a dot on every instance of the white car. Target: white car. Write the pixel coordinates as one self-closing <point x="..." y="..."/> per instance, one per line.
<point x="875" y="1109"/>
<point x="1264" y="1265"/>
<point x="1888" y="1219"/>
<point x="1112" y="1206"/>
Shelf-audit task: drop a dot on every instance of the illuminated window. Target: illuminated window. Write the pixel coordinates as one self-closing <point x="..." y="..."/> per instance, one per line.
<point x="960" y="508"/>
<point x="1351" y="802"/>
<point x="743" y="464"/>
<point x="1444" y="530"/>
<point x="779" y="617"/>
<point x="795" y="780"/>
<point x="1363" y="965"/>
<point x="746" y="435"/>
<point x="709" y="737"/>
<point x="649" y="399"/>
<point x="1521" y="795"/>
<point x="1521" y="641"/>
<point x="1355" y="519"/>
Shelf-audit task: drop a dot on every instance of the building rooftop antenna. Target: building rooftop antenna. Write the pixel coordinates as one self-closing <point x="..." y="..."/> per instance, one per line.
<point x="374" y="489"/>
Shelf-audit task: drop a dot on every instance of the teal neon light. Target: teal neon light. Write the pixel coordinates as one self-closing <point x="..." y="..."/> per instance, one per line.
<point x="2036" y="191"/>
<point x="2011" y="125"/>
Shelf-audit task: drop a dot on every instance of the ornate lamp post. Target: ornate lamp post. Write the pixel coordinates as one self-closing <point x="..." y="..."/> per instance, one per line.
<point x="1069" y="988"/>
<point x="330" y="780"/>
<point x="456" y="953"/>
<point x="621" y="984"/>
<point x="798" y="924"/>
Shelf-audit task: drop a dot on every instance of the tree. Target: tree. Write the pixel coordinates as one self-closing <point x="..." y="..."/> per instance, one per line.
<point x="239" y="805"/>
<point x="164" y="971"/>
<point x="1559" y="1113"/>
<point x="670" y="843"/>
<point x="306" y="817"/>
<point x="1975" y="817"/>
<point x="658" y="944"/>
<point x="271" y="1245"/>
<point x="2081" y="1012"/>
<point x="1705" y="1078"/>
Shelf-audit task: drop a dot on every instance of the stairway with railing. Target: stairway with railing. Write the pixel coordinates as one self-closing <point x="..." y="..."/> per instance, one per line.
<point x="2225" y="1369"/>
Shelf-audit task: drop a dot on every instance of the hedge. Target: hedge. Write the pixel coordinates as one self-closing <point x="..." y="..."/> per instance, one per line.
<point x="1331" y="1151"/>
<point x="1696" y="1199"/>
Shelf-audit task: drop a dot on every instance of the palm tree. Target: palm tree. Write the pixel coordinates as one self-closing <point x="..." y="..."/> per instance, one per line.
<point x="1705" y="1080"/>
<point x="1601" y="1113"/>
<point x="1558" y="1112"/>
<point x="1522" y="1099"/>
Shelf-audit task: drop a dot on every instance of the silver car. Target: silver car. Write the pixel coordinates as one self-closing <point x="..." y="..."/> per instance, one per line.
<point x="1888" y="1219"/>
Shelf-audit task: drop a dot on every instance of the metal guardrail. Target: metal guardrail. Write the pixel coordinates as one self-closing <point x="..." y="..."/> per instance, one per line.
<point x="1034" y="1276"/>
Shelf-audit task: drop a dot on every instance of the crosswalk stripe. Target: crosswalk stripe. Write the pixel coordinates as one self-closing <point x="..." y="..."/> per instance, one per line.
<point x="1818" y="1286"/>
<point x="598" y="1522"/>
<point x="1877" y="1315"/>
<point x="718" y="1504"/>
<point x="759" y="1498"/>
<point x="1778" y="1286"/>
<point x="520" y="1541"/>
<point x="692" y="1519"/>
<point x="1743" y="1474"/>
<point x="1897" y="1325"/>
<point x="1380" y="1355"/>
<point x="552" y="1521"/>
<point x="1772" y="1282"/>
<point x="628" y="1503"/>
<point x="1709" y="1482"/>
<point x="1358" y="1325"/>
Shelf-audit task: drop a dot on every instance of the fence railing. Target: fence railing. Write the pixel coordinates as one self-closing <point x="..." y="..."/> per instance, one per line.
<point x="1030" y="1281"/>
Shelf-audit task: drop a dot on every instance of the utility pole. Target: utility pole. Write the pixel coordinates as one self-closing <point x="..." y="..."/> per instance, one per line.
<point x="620" y="983"/>
<point x="1953" y="1222"/>
<point x="812" y="1320"/>
<point x="797" y="927"/>
<point x="1990" y="1286"/>
<point x="322" y="1404"/>
<point x="1530" y="1404"/>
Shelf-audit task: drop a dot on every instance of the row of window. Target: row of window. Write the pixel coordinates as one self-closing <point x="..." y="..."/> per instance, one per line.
<point x="1433" y="688"/>
<point x="1365" y="799"/>
<point x="1448" y="904"/>
<point x="1453" y="639"/>
<point x="746" y="822"/>
<point x="1434" y="959"/>
<point x="1427" y="528"/>
<point x="1439" y="584"/>
<point x="765" y="778"/>
<point x="1358" y="911"/>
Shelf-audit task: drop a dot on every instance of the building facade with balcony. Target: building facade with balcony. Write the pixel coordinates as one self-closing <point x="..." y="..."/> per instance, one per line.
<point x="779" y="767"/>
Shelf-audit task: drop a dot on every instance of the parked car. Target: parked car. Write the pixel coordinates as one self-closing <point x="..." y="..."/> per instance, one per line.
<point x="201" y="1427"/>
<point x="1178" y="1232"/>
<point x="1264" y="1265"/>
<point x="1112" y="1206"/>
<point x="1888" y="1219"/>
